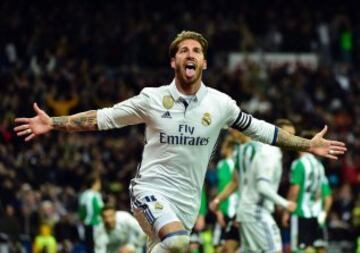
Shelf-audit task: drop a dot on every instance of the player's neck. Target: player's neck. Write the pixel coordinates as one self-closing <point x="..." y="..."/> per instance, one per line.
<point x="301" y="154"/>
<point x="186" y="88"/>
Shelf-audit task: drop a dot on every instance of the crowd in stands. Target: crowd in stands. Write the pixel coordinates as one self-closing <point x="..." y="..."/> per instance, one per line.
<point x="76" y="56"/>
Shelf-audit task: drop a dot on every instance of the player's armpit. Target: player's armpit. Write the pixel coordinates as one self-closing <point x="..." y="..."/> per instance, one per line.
<point x="84" y="121"/>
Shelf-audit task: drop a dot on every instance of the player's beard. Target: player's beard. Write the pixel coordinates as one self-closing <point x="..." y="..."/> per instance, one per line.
<point x="187" y="78"/>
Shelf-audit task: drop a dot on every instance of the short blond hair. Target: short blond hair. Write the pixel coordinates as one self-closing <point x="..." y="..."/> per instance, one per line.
<point x="187" y="35"/>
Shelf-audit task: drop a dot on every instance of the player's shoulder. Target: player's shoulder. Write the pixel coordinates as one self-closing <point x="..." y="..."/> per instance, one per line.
<point x="221" y="163"/>
<point x="315" y="159"/>
<point x="253" y="146"/>
<point x="297" y="163"/>
<point x="154" y="91"/>
<point x="270" y="151"/>
<point x="218" y="95"/>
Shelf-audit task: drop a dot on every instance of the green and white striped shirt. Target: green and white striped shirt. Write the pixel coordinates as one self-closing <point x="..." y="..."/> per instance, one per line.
<point x="225" y="170"/>
<point x="308" y="173"/>
<point x="90" y="207"/>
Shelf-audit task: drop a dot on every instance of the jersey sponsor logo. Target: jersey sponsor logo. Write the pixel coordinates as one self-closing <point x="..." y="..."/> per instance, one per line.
<point x="168" y="102"/>
<point x="185" y="137"/>
<point x="206" y="119"/>
<point x="166" y="115"/>
<point x="183" y="140"/>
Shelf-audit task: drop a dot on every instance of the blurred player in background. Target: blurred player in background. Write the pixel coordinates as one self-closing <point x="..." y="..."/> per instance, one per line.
<point x="225" y="236"/>
<point x="90" y="205"/>
<point x="119" y="232"/>
<point x="310" y="190"/>
<point x="183" y="121"/>
<point x="257" y="174"/>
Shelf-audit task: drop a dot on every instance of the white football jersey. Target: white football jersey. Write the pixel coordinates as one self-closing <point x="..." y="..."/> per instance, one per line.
<point x="127" y="231"/>
<point x="257" y="162"/>
<point x="179" y="139"/>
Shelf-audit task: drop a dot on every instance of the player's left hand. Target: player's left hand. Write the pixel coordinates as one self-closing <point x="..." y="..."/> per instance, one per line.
<point x="326" y="148"/>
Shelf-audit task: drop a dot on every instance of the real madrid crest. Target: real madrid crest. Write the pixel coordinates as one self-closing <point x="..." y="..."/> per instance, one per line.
<point x="206" y="119"/>
<point x="158" y="206"/>
<point x="168" y="102"/>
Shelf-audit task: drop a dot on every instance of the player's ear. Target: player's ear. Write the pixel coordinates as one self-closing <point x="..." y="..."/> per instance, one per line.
<point x="205" y="65"/>
<point x="172" y="62"/>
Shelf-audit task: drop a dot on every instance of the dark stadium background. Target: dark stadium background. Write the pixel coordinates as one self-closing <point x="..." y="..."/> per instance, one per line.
<point x="71" y="56"/>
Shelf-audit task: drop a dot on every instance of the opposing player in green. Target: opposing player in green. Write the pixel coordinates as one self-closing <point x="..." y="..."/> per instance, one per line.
<point x="225" y="236"/>
<point x="90" y="205"/>
<point x="310" y="189"/>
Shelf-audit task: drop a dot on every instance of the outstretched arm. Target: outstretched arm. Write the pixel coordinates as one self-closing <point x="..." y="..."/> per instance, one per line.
<point x="83" y="121"/>
<point x="317" y="145"/>
<point x="42" y="123"/>
<point x="129" y="112"/>
<point x="264" y="132"/>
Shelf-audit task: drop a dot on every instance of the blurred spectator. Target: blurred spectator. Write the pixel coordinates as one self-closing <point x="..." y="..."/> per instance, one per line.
<point x="10" y="230"/>
<point x="45" y="241"/>
<point x="66" y="233"/>
<point x="62" y="105"/>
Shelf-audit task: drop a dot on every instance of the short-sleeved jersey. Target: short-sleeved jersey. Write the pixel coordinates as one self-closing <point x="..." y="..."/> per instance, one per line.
<point x="180" y="138"/>
<point x="126" y="231"/>
<point x="308" y="173"/>
<point x="256" y="161"/>
<point x="225" y="168"/>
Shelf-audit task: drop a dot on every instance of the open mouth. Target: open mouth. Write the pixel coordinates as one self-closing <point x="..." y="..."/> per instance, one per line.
<point x="190" y="68"/>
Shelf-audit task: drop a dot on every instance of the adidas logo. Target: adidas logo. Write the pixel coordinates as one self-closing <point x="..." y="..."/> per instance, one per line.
<point x="166" y="115"/>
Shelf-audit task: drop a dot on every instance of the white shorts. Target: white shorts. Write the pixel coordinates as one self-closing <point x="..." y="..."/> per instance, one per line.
<point x="261" y="236"/>
<point x="153" y="212"/>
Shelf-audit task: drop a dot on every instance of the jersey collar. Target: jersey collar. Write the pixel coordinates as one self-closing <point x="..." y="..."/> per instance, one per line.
<point x="200" y="94"/>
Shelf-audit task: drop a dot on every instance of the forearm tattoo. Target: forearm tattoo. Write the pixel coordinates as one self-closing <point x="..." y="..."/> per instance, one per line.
<point x="289" y="141"/>
<point x="84" y="121"/>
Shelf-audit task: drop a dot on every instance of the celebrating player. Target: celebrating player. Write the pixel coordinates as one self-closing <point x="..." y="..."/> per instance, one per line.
<point x="183" y="121"/>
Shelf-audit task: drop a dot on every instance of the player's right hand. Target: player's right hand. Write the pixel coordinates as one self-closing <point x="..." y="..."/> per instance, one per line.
<point x="214" y="204"/>
<point x="32" y="127"/>
<point x="291" y="206"/>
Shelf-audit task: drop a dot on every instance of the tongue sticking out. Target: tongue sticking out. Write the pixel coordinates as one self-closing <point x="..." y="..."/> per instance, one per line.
<point x="190" y="72"/>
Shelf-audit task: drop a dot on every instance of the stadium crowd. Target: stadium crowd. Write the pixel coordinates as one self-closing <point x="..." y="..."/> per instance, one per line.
<point x="69" y="58"/>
